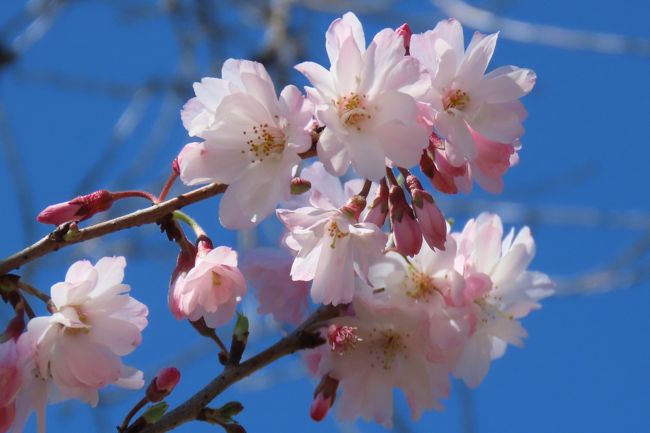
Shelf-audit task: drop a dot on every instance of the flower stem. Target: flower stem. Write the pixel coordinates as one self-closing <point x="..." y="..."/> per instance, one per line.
<point x="182" y="216"/>
<point x="135" y="193"/>
<point x="139" y="405"/>
<point x="168" y="186"/>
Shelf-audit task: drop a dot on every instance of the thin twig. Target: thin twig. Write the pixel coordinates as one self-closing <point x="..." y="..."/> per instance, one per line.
<point x="302" y="338"/>
<point x="61" y="238"/>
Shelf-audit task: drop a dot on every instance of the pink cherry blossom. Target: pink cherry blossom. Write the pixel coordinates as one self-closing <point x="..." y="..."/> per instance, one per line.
<point x="211" y="289"/>
<point x="332" y="248"/>
<point x="463" y="97"/>
<point x="366" y="101"/>
<point x="499" y="290"/>
<point x="95" y="323"/>
<point x="268" y="271"/>
<point x="10" y="382"/>
<point x="252" y="140"/>
<point x="387" y="353"/>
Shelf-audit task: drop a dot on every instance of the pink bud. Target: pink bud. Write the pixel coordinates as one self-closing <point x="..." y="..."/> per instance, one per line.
<point x="379" y="206"/>
<point x="432" y="221"/>
<point x="163" y="384"/>
<point x="319" y="407"/>
<point x="355" y="205"/>
<point x="406" y="230"/>
<point x="77" y="209"/>
<point x="405" y="31"/>
<point x="324" y="397"/>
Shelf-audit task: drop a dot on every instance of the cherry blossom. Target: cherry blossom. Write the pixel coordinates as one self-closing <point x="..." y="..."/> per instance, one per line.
<point x="10" y="382"/>
<point x="211" y="289"/>
<point x="499" y="290"/>
<point x="463" y="97"/>
<point x="383" y="350"/>
<point x="332" y="248"/>
<point x="366" y="101"/>
<point x="252" y="140"/>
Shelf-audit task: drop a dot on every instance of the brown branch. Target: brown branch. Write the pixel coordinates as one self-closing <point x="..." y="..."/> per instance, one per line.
<point x="304" y="337"/>
<point x="61" y="237"/>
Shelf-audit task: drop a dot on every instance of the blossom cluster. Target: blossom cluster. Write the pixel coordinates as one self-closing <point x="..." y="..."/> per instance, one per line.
<point x="419" y="303"/>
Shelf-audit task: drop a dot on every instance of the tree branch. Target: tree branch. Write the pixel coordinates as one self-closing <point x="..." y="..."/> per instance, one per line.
<point x="303" y="337"/>
<point x="62" y="237"/>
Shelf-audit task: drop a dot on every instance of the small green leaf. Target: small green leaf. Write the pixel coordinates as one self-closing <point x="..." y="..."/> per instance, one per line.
<point x="155" y="412"/>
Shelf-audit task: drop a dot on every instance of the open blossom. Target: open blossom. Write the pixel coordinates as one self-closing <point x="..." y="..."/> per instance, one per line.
<point x="95" y="323"/>
<point x="211" y="289"/>
<point x="332" y="248"/>
<point x="252" y="140"/>
<point x="499" y="290"/>
<point x="268" y="270"/>
<point x="381" y="350"/>
<point x="463" y="97"/>
<point x="366" y="101"/>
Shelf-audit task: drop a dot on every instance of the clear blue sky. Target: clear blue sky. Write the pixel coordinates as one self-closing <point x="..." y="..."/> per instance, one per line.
<point x="585" y="367"/>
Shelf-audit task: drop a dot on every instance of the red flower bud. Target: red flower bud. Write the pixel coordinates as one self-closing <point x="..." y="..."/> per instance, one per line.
<point x="163" y="384"/>
<point x="324" y="397"/>
<point x="379" y="206"/>
<point x="77" y="209"/>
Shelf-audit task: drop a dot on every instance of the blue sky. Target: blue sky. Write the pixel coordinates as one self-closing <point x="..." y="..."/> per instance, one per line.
<point x="585" y="364"/>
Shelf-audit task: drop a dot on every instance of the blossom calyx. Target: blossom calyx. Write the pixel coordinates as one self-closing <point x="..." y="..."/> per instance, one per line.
<point x="163" y="384"/>
<point x="299" y="186"/>
<point x="78" y="209"/>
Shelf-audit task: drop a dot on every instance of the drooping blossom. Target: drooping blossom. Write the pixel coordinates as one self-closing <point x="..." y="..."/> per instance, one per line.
<point x="332" y="248"/>
<point x="252" y="140"/>
<point x="78" y="349"/>
<point x="211" y="289"/>
<point x="366" y="101"/>
<point x="268" y="271"/>
<point x="463" y="97"/>
<point x="95" y="323"/>
<point x="383" y="350"/>
<point x="499" y="290"/>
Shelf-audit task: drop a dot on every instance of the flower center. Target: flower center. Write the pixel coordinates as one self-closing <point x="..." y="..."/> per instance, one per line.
<point x="335" y="233"/>
<point x="388" y="344"/>
<point x="264" y="141"/>
<point x="419" y="285"/>
<point x="455" y="99"/>
<point x="76" y="330"/>
<point x="353" y="110"/>
<point x="216" y="279"/>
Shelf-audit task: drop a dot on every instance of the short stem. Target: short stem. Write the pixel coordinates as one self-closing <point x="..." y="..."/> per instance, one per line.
<point x="168" y="186"/>
<point x="139" y="405"/>
<point x="135" y="193"/>
<point x="404" y="171"/>
<point x="366" y="189"/>
<point x="182" y="216"/>
<point x="34" y="291"/>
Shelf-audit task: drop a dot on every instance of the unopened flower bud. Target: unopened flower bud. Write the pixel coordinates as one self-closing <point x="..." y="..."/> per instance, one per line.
<point x="405" y="31"/>
<point x="163" y="384"/>
<point x="432" y="221"/>
<point x="406" y="230"/>
<point x="324" y="397"/>
<point x="299" y="186"/>
<point x="77" y="209"/>
<point x="379" y="206"/>
<point x="355" y="205"/>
